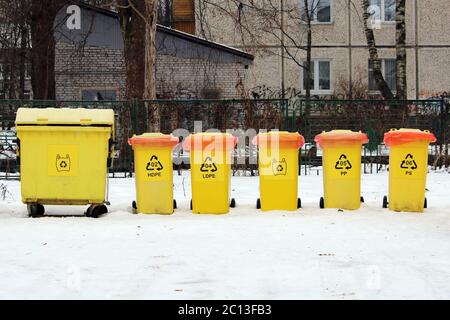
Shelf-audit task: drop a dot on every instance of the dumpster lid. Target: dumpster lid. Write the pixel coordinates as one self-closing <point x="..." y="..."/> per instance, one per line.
<point x="402" y="136"/>
<point x="154" y="140"/>
<point x="65" y="116"/>
<point x="282" y="137"/>
<point x="341" y="137"/>
<point x="200" y="141"/>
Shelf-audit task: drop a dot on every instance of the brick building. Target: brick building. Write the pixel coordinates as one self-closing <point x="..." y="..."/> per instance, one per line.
<point x="90" y="63"/>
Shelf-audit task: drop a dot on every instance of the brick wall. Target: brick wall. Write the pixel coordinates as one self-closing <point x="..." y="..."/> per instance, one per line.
<point x="102" y="68"/>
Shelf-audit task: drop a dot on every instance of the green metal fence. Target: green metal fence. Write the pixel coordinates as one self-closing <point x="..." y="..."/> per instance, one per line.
<point x="307" y="117"/>
<point x="132" y="116"/>
<point x="372" y="116"/>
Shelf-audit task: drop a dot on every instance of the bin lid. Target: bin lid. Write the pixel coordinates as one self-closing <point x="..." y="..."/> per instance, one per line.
<point x="154" y="140"/>
<point x="402" y="136"/>
<point x="341" y="137"/>
<point x="200" y="141"/>
<point x="283" y="138"/>
<point x="65" y="116"/>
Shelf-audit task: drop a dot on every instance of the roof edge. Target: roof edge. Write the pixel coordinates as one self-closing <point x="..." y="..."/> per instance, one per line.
<point x="177" y="33"/>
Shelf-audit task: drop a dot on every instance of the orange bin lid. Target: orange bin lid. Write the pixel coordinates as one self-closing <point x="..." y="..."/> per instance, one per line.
<point x="402" y="136"/>
<point x="200" y="141"/>
<point x="154" y="140"/>
<point x="283" y="138"/>
<point x="341" y="137"/>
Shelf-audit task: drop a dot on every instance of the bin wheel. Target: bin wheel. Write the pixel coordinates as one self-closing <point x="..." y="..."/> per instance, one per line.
<point x="191" y="204"/>
<point x="322" y="203"/>
<point x="96" y="210"/>
<point x="299" y="203"/>
<point x="35" y="210"/>
<point x="362" y="199"/>
<point x="258" y="203"/>
<point x="425" y="204"/>
<point x="134" y="207"/>
<point x="233" y="203"/>
<point x="385" y="202"/>
<point x="174" y="204"/>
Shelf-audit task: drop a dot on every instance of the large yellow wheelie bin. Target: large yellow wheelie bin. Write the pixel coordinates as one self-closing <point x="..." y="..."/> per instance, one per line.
<point x="278" y="170"/>
<point x="408" y="166"/>
<point x="210" y="161"/>
<point x="341" y="163"/>
<point x="64" y="157"/>
<point x="153" y="168"/>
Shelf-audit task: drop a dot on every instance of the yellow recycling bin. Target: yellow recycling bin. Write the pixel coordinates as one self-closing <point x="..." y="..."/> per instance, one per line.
<point x="64" y="157"/>
<point x="341" y="163"/>
<point x="154" y="173"/>
<point x="408" y="165"/>
<point x="210" y="157"/>
<point x="278" y="170"/>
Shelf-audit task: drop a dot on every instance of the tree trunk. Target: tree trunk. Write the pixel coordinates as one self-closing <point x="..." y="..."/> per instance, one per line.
<point x="133" y="32"/>
<point x="153" y="112"/>
<point x="43" y="14"/>
<point x="373" y="53"/>
<point x="400" y="42"/>
<point x="308" y="14"/>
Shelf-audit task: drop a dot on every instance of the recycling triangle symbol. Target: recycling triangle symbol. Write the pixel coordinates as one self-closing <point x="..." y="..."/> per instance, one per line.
<point x="343" y="163"/>
<point x="409" y="163"/>
<point x="208" y="166"/>
<point x="154" y="164"/>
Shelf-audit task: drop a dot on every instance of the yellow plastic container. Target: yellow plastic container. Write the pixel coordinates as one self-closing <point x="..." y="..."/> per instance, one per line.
<point x="210" y="155"/>
<point x="408" y="163"/>
<point x="154" y="173"/>
<point x="341" y="163"/>
<point x="64" y="156"/>
<point x="278" y="170"/>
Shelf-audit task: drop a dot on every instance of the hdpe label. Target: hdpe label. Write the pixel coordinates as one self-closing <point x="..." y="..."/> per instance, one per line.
<point x="62" y="160"/>
<point x="154" y="167"/>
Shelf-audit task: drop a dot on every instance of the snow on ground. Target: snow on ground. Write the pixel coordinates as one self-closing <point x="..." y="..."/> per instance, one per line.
<point x="371" y="253"/>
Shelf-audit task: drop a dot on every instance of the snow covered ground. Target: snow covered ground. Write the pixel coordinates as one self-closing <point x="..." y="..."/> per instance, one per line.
<point x="368" y="254"/>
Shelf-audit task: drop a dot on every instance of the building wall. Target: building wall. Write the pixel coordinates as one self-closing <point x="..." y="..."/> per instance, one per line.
<point x="102" y="68"/>
<point x="343" y="42"/>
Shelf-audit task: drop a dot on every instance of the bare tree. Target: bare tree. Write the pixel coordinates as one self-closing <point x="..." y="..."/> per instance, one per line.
<point x="288" y="27"/>
<point x="381" y="83"/>
<point x="138" y="22"/>
<point x="400" y="44"/>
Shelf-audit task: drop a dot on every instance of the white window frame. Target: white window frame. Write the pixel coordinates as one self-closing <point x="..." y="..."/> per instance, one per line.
<point x="317" y="77"/>
<point x="383" y="71"/>
<point x="383" y="13"/>
<point x="314" y="20"/>
<point x="1" y="71"/>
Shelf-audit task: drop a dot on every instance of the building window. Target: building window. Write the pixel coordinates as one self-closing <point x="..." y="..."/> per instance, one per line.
<point x="165" y="12"/>
<point x="383" y="10"/>
<point x="99" y="95"/>
<point x="320" y="76"/>
<point x="389" y="70"/>
<point x="320" y="11"/>
<point x="2" y="71"/>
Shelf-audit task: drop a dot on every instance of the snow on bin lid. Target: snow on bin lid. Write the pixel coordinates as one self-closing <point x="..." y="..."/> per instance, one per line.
<point x="202" y="140"/>
<point x="402" y="136"/>
<point x="65" y="116"/>
<point x="154" y="140"/>
<point x="341" y="137"/>
<point x="283" y="138"/>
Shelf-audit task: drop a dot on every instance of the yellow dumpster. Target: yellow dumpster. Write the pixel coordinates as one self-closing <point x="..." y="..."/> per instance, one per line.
<point x="64" y="157"/>
<point x="278" y="170"/>
<point x="154" y="173"/>
<point x="341" y="161"/>
<point x="408" y="165"/>
<point x="210" y="160"/>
